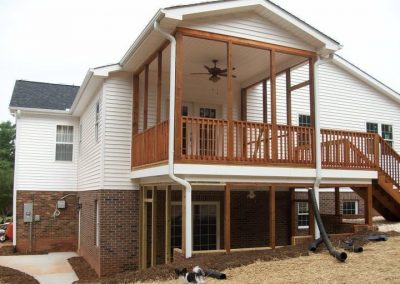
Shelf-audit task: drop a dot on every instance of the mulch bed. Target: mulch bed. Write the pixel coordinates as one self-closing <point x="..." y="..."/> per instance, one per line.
<point x="9" y="275"/>
<point x="82" y="269"/>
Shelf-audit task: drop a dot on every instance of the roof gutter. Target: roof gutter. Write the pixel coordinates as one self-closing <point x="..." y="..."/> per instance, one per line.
<point x="147" y="30"/>
<point x="82" y="89"/>
<point x="186" y="184"/>
<point x="39" y="110"/>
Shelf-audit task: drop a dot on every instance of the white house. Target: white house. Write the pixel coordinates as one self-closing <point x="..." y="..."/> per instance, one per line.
<point x="198" y="138"/>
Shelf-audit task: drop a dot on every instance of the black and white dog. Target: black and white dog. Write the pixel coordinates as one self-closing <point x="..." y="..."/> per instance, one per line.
<point x="195" y="276"/>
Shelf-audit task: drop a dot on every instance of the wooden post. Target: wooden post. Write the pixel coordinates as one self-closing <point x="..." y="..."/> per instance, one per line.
<point x="144" y="230"/>
<point x="135" y="113"/>
<point x="368" y="206"/>
<point x="337" y="201"/>
<point x="178" y="96"/>
<point x="311" y="62"/>
<point x="293" y="214"/>
<point x="227" y="218"/>
<point x="376" y="150"/>
<point x="311" y="221"/>
<point x="229" y="100"/>
<point x="146" y="97"/>
<point x="274" y="141"/>
<point x="154" y="227"/>
<point x="265" y="102"/>
<point x="168" y="224"/>
<point x="272" y="227"/>
<point x="288" y="98"/>
<point x="243" y="117"/>
<point x="141" y="248"/>
<point x="159" y="85"/>
<point x="183" y="248"/>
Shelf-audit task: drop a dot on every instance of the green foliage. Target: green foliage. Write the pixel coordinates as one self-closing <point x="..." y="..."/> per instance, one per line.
<point x="7" y="154"/>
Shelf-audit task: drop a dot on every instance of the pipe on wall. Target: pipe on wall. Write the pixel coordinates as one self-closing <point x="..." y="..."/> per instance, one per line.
<point x="183" y="182"/>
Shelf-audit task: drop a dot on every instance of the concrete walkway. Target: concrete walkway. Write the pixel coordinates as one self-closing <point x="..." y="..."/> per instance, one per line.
<point x="46" y="268"/>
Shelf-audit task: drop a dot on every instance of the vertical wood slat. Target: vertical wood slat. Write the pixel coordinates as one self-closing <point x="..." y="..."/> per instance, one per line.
<point x="146" y="97"/>
<point x="159" y="86"/>
<point x="154" y="227"/>
<point x="227" y="218"/>
<point x="293" y="214"/>
<point x="168" y="192"/>
<point x="272" y="225"/>
<point x="178" y="95"/>
<point x="311" y="221"/>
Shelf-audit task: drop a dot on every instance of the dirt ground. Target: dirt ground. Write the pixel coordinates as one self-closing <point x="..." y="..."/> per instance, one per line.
<point x="9" y="275"/>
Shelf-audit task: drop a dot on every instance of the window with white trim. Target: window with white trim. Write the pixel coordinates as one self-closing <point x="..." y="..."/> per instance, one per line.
<point x="350" y="207"/>
<point x="304" y="120"/>
<point x="302" y="215"/>
<point x="64" y="142"/>
<point x="372" y="127"/>
<point x="387" y="133"/>
<point x="97" y="121"/>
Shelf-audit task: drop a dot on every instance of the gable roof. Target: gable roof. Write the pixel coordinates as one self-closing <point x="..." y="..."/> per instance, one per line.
<point x="38" y="95"/>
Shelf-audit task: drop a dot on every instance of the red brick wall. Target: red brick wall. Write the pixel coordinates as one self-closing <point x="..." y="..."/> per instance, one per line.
<point x="119" y="219"/>
<point x="49" y="234"/>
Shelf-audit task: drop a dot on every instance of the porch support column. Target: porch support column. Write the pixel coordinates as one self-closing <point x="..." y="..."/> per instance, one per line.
<point x="273" y="107"/>
<point x="272" y="225"/>
<point x="229" y="100"/>
<point x="337" y="201"/>
<point x="154" y="226"/>
<point x="178" y="96"/>
<point x="146" y="97"/>
<point x="292" y="214"/>
<point x="311" y="73"/>
<point x="135" y="112"/>
<point x="227" y="218"/>
<point x="143" y="230"/>
<point x="311" y="221"/>
<point x="243" y="117"/>
<point x="168" y="224"/>
<point x="368" y="206"/>
<point x="159" y="85"/>
<point x="265" y="101"/>
<point x="187" y="222"/>
<point x="288" y="98"/>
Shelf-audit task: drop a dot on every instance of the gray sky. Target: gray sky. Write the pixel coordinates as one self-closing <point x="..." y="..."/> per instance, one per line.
<point x="58" y="41"/>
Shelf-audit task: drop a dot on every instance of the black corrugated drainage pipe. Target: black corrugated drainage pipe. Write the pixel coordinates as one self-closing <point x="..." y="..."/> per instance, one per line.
<point x="341" y="256"/>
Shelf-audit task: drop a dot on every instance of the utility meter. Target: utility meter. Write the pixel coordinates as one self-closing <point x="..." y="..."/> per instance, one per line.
<point x="28" y="212"/>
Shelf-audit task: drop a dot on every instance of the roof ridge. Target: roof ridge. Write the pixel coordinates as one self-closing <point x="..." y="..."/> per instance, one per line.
<point x="47" y="83"/>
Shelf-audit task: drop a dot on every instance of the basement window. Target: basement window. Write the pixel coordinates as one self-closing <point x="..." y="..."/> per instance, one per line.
<point x="350" y="208"/>
<point x="302" y="215"/>
<point x="387" y="133"/>
<point x="64" y="142"/>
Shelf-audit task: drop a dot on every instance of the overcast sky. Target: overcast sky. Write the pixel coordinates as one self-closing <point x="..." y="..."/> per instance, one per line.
<point x="58" y="41"/>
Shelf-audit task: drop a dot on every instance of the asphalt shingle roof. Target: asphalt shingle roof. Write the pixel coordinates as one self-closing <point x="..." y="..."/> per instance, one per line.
<point x="28" y="94"/>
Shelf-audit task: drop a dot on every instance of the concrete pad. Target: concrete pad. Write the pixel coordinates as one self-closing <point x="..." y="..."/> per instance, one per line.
<point x="46" y="268"/>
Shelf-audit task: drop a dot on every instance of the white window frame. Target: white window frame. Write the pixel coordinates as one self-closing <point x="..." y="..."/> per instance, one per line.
<point x="302" y="214"/>
<point x="97" y="121"/>
<point x="388" y="140"/>
<point x="372" y="122"/>
<point x="97" y="222"/>
<point x="218" y="224"/>
<point x="65" y="143"/>
<point x="355" y="207"/>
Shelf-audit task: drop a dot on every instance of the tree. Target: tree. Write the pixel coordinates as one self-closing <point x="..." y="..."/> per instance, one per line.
<point x="7" y="154"/>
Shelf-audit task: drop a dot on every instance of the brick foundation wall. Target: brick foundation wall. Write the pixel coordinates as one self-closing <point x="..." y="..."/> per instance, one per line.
<point x="119" y="221"/>
<point x="49" y="234"/>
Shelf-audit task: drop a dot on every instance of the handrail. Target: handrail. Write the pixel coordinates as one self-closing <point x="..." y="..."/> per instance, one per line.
<point x="389" y="161"/>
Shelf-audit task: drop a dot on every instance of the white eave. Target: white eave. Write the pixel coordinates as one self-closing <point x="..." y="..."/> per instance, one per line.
<point x="366" y="78"/>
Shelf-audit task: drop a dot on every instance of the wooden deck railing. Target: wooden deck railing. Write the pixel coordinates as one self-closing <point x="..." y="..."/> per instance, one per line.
<point x="389" y="161"/>
<point x="151" y="145"/>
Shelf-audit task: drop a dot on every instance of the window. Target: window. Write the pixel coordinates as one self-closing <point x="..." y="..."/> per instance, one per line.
<point x="97" y="222"/>
<point x="96" y="126"/>
<point x="350" y="207"/>
<point x="302" y="215"/>
<point x="387" y="133"/>
<point x="372" y="127"/>
<point x="64" y="142"/>
<point x="304" y="120"/>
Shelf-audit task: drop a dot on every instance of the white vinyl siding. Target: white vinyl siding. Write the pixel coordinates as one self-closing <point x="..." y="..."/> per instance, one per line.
<point x="118" y="92"/>
<point x="37" y="168"/>
<point x="89" y="170"/>
<point x="247" y="25"/>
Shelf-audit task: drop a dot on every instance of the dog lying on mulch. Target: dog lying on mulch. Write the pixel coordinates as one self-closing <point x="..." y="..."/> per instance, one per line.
<point x="195" y="276"/>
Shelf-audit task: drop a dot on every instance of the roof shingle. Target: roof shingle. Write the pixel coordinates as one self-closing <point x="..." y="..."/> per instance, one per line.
<point x="28" y="94"/>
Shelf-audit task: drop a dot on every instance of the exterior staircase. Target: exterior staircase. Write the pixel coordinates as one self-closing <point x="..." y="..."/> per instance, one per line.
<point x="385" y="189"/>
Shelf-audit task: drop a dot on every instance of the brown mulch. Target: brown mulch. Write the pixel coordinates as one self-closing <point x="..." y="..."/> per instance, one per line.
<point x="9" y="275"/>
<point x="220" y="261"/>
<point x="82" y="269"/>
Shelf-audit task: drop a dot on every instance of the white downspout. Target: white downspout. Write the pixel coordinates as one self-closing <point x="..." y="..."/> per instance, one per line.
<point x="186" y="184"/>
<point x="318" y="162"/>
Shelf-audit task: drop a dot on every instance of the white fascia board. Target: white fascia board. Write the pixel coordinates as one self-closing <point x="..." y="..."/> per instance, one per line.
<point x="368" y="79"/>
<point x="149" y="172"/>
<point x="348" y="174"/>
<point x="39" y="111"/>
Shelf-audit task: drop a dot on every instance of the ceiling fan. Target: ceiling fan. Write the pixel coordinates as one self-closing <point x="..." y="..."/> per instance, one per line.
<point x="215" y="72"/>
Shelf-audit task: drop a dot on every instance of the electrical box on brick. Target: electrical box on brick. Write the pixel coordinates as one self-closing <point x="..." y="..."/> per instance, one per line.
<point x="61" y="204"/>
